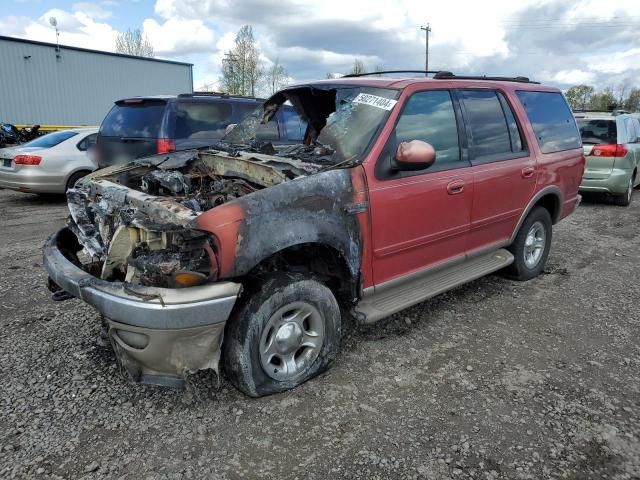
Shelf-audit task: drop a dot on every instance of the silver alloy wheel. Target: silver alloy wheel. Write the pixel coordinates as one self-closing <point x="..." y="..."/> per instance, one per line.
<point x="291" y="341"/>
<point x="534" y="245"/>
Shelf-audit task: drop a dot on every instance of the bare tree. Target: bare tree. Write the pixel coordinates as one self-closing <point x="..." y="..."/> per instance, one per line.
<point x="133" y="42"/>
<point x="358" y="67"/>
<point x="241" y="69"/>
<point x="277" y="77"/>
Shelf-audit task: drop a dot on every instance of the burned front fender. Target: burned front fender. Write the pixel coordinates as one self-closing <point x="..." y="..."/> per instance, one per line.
<point x="317" y="209"/>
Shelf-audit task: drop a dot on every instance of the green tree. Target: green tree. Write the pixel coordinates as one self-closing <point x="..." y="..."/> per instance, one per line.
<point x="133" y="42"/>
<point x="632" y="102"/>
<point x="580" y="96"/>
<point x="605" y="100"/>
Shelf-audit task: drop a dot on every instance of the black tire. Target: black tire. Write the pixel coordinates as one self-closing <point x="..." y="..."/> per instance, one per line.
<point x="519" y="269"/>
<point x="624" y="200"/>
<point x="74" y="178"/>
<point x="242" y="362"/>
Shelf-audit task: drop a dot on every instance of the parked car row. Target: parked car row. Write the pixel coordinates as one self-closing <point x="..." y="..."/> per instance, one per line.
<point x="135" y="128"/>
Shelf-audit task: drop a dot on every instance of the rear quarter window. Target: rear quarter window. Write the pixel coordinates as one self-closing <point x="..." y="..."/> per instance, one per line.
<point x="552" y="121"/>
<point x="134" y="120"/>
<point x="199" y="120"/>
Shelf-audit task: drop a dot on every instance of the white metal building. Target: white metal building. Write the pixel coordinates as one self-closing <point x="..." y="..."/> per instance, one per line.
<point x="41" y="83"/>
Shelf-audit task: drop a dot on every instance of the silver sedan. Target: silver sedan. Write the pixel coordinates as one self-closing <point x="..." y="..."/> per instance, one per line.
<point x="48" y="164"/>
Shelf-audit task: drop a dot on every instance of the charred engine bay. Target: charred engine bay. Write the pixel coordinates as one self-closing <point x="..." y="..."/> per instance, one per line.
<point x="133" y="220"/>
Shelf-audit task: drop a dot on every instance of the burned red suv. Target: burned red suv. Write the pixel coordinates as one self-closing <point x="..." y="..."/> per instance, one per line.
<point x="402" y="188"/>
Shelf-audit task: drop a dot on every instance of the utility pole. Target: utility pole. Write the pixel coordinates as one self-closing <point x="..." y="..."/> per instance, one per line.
<point x="427" y="30"/>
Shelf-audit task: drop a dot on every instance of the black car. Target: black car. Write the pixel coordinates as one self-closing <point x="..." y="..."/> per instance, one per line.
<point x="141" y="126"/>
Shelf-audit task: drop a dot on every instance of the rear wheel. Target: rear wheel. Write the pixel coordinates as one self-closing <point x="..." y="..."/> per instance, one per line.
<point x="625" y="199"/>
<point x="285" y="332"/>
<point x="531" y="246"/>
<point x="74" y="178"/>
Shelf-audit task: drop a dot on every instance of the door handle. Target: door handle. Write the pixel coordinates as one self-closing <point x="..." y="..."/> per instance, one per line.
<point x="455" y="187"/>
<point x="527" y="172"/>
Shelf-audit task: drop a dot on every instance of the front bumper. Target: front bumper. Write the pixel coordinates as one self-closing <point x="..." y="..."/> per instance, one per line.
<point x="616" y="183"/>
<point x="159" y="334"/>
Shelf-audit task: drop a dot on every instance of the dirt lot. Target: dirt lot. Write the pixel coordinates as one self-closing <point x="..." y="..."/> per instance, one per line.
<point x="496" y="379"/>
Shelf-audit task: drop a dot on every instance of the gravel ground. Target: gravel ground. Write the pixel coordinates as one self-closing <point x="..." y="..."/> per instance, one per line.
<point x="496" y="379"/>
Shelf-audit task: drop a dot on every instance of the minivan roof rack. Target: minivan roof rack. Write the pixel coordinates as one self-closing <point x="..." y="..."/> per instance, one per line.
<point x="216" y="94"/>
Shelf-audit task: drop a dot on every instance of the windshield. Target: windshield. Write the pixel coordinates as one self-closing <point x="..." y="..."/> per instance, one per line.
<point x="51" y="139"/>
<point x="342" y="121"/>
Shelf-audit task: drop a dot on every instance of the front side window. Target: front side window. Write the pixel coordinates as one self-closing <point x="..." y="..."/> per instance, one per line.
<point x="429" y="116"/>
<point x="488" y="128"/>
<point x="551" y="119"/>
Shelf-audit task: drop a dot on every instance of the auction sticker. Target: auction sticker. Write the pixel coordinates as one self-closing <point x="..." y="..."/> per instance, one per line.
<point x="375" y="101"/>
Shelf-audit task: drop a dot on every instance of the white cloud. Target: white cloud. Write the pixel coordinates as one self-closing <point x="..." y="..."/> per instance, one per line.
<point x="178" y="36"/>
<point x="573" y="77"/>
<point x="92" y="10"/>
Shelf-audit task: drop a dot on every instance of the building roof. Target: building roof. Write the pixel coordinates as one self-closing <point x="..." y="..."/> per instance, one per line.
<point x="100" y="52"/>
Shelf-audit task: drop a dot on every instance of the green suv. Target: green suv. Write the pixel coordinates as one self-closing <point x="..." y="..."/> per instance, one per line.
<point x="611" y="145"/>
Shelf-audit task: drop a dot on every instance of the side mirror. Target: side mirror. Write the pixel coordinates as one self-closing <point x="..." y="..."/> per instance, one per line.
<point x="229" y="128"/>
<point x="415" y="155"/>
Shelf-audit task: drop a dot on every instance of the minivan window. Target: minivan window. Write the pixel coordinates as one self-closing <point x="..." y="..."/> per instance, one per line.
<point x="551" y="119"/>
<point x="51" y="139"/>
<point x="294" y="126"/>
<point x="134" y="120"/>
<point x="200" y="120"/>
<point x="487" y="123"/>
<point x="429" y="116"/>
<point x="595" y="131"/>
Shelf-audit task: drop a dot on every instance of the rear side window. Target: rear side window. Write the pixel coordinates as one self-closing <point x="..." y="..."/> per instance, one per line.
<point x="87" y="142"/>
<point x="51" y="139"/>
<point x="429" y="116"/>
<point x="294" y="126"/>
<point x="200" y="120"/>
<point x="551" y="119"/>
<point x="488" y="127"/>
<point x="134" y="120"/>
<point x="594" y="131"/>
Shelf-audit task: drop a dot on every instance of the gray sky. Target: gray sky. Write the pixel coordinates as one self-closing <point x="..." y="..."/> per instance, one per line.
<point x="558" y="42"/>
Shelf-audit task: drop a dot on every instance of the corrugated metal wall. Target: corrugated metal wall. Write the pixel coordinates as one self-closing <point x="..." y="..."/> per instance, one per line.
<point x="78" y="88"/>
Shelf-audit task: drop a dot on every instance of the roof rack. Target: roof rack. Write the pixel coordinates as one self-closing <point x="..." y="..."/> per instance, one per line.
<point x="443" y="75"/>
<point x="366" y="74"/>
<point x="216" y="94"/>
<point x="614" y="111"/>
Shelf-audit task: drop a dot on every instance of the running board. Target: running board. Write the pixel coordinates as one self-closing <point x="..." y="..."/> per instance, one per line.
<point x="392" y="299"/>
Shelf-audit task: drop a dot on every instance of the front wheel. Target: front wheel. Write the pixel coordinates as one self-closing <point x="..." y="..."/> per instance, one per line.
<point x="284" y="333"/>
<point x="531" y="246"/>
